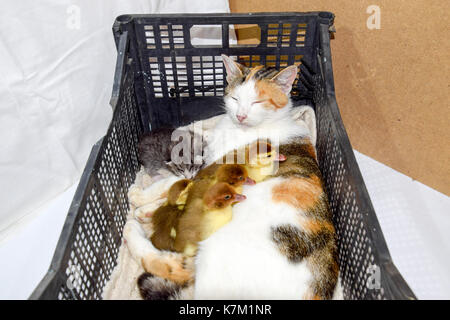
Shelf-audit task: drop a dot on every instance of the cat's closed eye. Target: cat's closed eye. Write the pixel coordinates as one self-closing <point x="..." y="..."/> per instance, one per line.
<point x="259" y="101"/>
<point x="234" y="98"/>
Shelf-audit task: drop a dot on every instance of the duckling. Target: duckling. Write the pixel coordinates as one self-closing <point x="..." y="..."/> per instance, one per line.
<point x="178" y="192"/>
<point x="205" y="212"/>
<point x="235" y="175"/>
<point x="164" y="219"/>
<point x="261" y="160"/>
<point x="259" y="157"/>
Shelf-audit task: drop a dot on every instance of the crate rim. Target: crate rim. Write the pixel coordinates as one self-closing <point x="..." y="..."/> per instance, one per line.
<point x="325" y="15"/>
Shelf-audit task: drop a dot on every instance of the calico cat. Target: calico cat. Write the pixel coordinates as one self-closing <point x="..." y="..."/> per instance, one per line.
<point x="281" y="242"/>
<point x="283" y="234"/>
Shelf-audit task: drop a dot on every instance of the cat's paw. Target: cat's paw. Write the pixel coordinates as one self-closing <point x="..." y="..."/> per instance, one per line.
<point x="171" y="266"/>
<point x="135" y="239"/>
<point x="132" y="229"/>
<point x="146" y="181"/>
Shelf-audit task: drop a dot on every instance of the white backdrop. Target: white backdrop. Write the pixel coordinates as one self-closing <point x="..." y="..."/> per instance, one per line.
<point x="57" y="61"/>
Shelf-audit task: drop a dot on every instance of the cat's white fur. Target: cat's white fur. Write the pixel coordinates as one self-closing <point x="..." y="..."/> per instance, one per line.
<point x="278" y="125"/>
<point x="240" y="261"/>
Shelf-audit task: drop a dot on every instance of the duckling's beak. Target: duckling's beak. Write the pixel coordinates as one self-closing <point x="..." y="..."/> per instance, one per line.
<point x="239" y="197"/>
<point x="249" y="181"/>
<point x="280" y="157"/>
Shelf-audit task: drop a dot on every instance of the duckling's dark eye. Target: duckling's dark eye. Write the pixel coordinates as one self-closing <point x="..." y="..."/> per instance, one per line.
<point x="227" y="197"/>
<point x="269" y="155"/>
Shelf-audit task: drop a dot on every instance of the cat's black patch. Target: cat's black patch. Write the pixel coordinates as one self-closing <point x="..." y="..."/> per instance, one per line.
<point x="298" y="148"/>
<point x="156" y="288"/>
<point x="265" y="73"/>
<point x="324" y="262"/>
<point x="318" y="249"/>
<point x="300" y="161"/>
<point x="321" y="209"/>
<point x="296" y="244"/>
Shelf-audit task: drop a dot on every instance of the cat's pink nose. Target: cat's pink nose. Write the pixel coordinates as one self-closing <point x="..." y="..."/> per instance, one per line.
<point x="241" y="118"/>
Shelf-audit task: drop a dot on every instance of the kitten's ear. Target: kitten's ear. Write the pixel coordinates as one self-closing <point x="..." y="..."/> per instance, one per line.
<point x="285" y="78"/>
<point x="233" y="68"/>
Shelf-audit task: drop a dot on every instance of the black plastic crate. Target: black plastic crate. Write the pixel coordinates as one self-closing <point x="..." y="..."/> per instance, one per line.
<point x="162" y="79"/>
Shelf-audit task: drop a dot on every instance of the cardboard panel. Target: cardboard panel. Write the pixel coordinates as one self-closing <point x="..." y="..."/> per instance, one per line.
<point x="392" y="83"/>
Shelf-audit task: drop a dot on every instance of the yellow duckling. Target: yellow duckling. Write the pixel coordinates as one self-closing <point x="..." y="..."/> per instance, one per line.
<point x="259" y="157"/>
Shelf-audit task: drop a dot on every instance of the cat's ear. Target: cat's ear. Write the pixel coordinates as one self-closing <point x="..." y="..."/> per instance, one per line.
<point x="285" y="78"/>
<point x="305" y="116"/>
<point x="233" y="68"/>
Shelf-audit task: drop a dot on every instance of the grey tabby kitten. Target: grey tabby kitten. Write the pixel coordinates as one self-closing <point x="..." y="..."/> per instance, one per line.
<point x="155" y="152"/>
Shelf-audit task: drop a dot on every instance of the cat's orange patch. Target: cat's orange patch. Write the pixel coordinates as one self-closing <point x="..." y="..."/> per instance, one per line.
<point x="311" y="296"/>
<point x="170" y="270"/>
<point x="267" y="90"/>
<point x="314" y="225"/>
<point x="300" y="193"/>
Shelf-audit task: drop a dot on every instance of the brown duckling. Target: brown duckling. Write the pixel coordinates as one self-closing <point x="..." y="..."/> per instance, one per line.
<point x="165" y="217"/>
<point x="204" y="213"/>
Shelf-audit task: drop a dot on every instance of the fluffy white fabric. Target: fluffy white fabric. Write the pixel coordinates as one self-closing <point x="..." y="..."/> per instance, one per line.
<point x="122" y="284"/>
